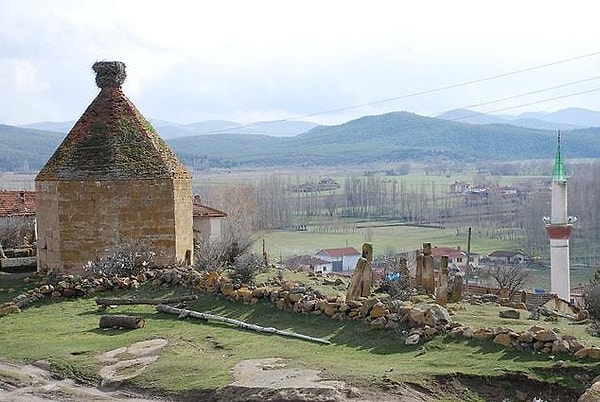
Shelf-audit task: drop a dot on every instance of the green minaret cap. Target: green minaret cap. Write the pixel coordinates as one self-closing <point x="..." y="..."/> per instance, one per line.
<point x="559" y="173"/>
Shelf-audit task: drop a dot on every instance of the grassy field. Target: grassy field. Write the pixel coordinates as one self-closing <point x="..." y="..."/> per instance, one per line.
<point x="200" y="355"/>
<point x="390" y="238"/>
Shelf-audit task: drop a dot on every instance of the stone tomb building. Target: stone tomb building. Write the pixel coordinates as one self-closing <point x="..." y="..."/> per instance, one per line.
<point x="111" y="180"/>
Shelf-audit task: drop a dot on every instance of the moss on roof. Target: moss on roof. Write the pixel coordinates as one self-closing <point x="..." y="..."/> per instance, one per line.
<point x="112" y="141"/>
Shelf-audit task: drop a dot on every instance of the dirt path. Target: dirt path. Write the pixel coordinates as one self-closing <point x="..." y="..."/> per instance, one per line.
<point x="254" y="380"/>
<point x="33" y="383"/>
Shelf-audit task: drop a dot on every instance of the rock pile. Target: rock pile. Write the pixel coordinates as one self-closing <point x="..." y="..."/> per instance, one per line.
<point x="418" y="321"/>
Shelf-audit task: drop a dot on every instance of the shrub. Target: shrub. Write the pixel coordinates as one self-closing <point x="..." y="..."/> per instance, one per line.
<point x="16" y="231"/>
<point x="396" y="278"/>
<point x="245" y="268"/>
<point x="210" y="256"/>
<point x="592" y="297"/>
<point x="130" y="257"/>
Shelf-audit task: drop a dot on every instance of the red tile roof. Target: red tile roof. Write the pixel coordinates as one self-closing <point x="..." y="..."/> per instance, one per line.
<point x="339" y="252"/>
<point x="17" y="203"/>
<point x="206" y="212"/>
<point x="449" y="251"/>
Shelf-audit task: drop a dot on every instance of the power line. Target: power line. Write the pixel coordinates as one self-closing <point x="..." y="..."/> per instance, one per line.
<point x="452" y="86"/>
<point x="524" y="94"/>
<point x="544" y="100"/>
<point x="434" y="90"/>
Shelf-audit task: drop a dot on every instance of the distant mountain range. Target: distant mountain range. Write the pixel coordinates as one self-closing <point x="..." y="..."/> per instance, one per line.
<point x="391" y="137"/>
<point x="566" y="119"/>
<point x="169" y="130"/>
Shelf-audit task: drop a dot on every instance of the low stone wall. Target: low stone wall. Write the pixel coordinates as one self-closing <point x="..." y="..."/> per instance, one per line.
<point x="15" y="263"/>
<point x="418" y="321"/>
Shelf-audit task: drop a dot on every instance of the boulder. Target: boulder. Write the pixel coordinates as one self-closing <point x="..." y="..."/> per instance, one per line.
<point x="329" y="308"/>
<point x="512" y="314"/>
<point x="416" y="316"/>
<point x="489" y="298"/>
<point x="412" y="339"/>
<point x="574" y="343"/>
<point x="377" y="310"/>
<point x="378" y="323"/>
<point x="503" y="339"/>
<point x="592" y="394"/>
<point x="526" y="337"/>
<point x="483" y="334"/>
<point x="436" y="315"/>
<point x="560" y="346"/>
<point x="9" y="308"/>
<point x="588" y="353"/>
<point x="545" y="335"/>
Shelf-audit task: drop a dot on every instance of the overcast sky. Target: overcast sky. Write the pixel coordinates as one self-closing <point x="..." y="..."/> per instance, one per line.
<point x="253" y="60"/>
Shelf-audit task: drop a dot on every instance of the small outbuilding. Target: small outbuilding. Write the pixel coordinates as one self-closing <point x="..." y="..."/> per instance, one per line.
<point x="113" y="179"/>
<point x="341" y="259"/>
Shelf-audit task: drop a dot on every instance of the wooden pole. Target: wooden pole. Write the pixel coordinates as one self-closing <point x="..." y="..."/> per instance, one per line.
<point x="170" y="300"/>
<point x="182" y="313"/>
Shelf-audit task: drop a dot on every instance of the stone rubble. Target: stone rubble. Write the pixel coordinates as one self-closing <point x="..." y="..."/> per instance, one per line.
<point x="418" y="321"/>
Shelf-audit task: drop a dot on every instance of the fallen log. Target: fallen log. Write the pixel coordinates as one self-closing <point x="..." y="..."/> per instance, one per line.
<point x="121" y="321"/>
<point x="170" y="300"/>
<point x="183" y="313"/>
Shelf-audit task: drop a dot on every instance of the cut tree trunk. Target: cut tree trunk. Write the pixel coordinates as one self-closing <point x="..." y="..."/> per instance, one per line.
<point x="183" y="313"/>
<point x="121" y="321"/>
<point x="113" y="302"/>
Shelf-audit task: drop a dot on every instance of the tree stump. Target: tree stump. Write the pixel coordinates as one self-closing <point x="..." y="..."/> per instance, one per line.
<point x="121" y="321"/>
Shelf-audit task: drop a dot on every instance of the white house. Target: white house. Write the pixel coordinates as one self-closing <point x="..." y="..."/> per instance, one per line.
<point x="309" y="263"/>
<point x="511" y="257"/>
<point x="342" y="259"/>
<point x="208" y="222"/>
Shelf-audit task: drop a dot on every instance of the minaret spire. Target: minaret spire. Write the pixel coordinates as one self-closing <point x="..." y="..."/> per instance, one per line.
<point x="559" y="227"/>
<point x="559" y="173"/>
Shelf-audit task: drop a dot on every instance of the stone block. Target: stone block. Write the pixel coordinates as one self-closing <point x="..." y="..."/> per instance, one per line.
<point x="511" y="314"/>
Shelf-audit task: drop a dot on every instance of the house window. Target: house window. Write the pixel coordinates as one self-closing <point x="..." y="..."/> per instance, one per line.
<point x="458" y="259"/>
<point x="324" y="269"/>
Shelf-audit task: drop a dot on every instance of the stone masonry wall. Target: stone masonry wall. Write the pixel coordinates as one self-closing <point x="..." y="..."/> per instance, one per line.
<point x="78" y="221"/>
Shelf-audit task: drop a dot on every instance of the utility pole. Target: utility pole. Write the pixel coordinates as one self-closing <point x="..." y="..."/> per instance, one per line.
<point x="468" y="270"/>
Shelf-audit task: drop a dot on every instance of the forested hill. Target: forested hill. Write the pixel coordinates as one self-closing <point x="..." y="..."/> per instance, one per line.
<point x="24" y="148"/>
<point x="398" y="136"/>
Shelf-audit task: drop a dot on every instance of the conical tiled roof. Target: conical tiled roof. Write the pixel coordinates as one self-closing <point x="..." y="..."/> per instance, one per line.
<point x="112" y="140"/>
<point x="559" y="173"/>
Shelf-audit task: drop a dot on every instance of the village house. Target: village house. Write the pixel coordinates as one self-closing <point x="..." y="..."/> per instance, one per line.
<point x="208" y="222"/>
<point x="17" y="234"/>
<point x="457" y="258"/>
<point x="17" y="203"/>
<point x="510" y="257"/>
<point x="342" y="259"/>
<point x="459" y="187"/>
<point x="309" y="263"/>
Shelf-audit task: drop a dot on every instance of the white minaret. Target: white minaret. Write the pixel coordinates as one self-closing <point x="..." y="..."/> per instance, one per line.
<point x="559" y="227"/>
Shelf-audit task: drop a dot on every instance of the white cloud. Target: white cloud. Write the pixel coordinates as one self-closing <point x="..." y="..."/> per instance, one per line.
<point x="238" y="59"/>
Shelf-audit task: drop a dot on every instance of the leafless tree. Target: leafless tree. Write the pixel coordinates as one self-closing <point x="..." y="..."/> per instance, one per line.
<point x="511" y="277"/>
<point x="396" y="278"/>
<point x="16" y="231"/>
<point x="592" y="296"/>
